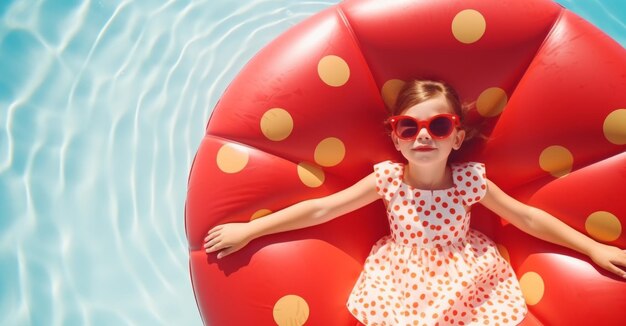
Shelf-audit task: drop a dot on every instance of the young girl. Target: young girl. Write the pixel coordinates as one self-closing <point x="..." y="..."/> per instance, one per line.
<point x="432" y="268"/>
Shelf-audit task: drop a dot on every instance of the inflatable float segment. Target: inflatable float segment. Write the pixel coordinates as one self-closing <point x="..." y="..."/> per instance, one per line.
<point x="303" y="119"/>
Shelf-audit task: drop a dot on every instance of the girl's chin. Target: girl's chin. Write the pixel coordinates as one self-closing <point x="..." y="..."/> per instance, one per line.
<point x="425" y="159"/>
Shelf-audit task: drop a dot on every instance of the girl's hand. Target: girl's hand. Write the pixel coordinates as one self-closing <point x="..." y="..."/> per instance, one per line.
<point x="227" y="238"/>
<point x="610" y="258"/>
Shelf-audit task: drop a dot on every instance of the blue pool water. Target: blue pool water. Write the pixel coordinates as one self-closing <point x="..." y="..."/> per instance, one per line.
<point x="103" y="104"/>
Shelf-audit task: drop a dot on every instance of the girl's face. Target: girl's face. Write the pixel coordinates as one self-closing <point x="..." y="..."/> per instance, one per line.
<point x="425" y="149"/>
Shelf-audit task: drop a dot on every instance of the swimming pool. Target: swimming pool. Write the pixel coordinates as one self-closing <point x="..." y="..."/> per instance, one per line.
<point x="102" y="107"/>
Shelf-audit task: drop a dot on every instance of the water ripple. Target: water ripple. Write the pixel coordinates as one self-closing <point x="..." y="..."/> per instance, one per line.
<point x="104" y="106"/>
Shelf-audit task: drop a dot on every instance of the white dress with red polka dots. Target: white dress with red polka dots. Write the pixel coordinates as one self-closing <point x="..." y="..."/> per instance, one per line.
<point x="433" y="269"/>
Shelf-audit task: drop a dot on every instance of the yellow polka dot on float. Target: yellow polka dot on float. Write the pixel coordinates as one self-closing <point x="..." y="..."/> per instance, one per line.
<point x="291" y="310"/>
<point x="556" y="160"/>
<point x="603" y="226"/>
<point x="311" y="175"/>
<point x="390" y="91"/>
<point x="329" y="152"/>
<point x="468" y="26"/>
<point x="333" y="70"/>
<point x="276" y="124"/>
<point x="232" y="158"/>
<point x="260" y="213"/>
<point x="532" y="287"/>
<point x="614" y="127"/>
<point x="491" y="102"/>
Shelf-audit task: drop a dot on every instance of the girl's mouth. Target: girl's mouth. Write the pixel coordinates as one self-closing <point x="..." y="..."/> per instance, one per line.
<point x="424" y="149"/>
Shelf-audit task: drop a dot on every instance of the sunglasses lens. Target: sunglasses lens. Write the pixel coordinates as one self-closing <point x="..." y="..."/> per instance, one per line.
<point x="406" y="128"/>
<point x="441" y="126"/>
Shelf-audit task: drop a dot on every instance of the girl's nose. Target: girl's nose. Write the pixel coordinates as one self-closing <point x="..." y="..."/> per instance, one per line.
<point x="423" y="134"/>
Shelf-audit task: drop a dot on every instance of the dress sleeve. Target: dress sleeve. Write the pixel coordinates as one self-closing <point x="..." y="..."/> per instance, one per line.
<point x="471" y="182"/>
<point x="387" y="178"/>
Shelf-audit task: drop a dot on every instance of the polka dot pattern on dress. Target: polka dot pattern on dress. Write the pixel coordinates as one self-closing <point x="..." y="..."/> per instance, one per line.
<point x="433" y="268"/>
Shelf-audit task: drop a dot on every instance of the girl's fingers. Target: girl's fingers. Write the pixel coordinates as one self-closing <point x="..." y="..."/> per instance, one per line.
<point x="216" y="228"/>
<point x="211" y="235"/>
<point x="215" y="247"/>
<point x="616" y="270"/>
<point x="226" y="252"/>
<point x="620" y="264"/>
<point x="211" y="243"/>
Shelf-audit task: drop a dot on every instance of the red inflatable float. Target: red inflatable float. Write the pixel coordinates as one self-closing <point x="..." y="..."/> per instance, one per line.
<point x="304" y="119"/>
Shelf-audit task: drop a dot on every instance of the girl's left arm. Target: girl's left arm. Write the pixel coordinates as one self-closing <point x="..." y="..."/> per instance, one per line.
<point x="542" y="225"/>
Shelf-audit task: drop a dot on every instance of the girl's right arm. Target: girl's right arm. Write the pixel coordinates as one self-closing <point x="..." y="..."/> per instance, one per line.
<point x="228" y="238"/>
